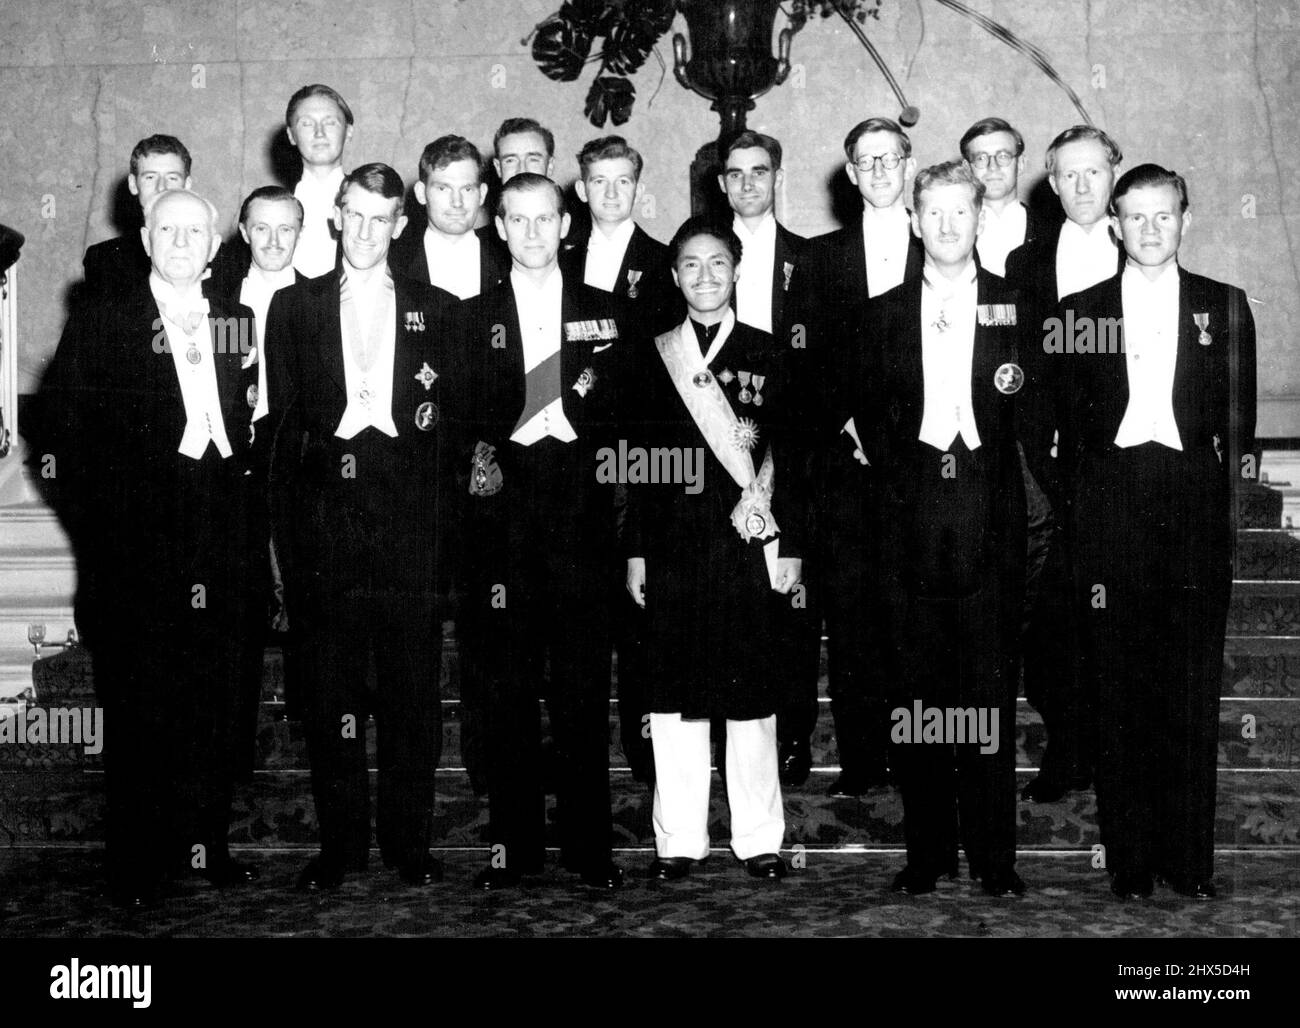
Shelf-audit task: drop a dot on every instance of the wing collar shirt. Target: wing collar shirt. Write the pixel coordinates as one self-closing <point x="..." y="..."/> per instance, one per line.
<point x="947" y="353"/>
<point x="605" y="255"/>
<point x="317" y="248"/>
<point x="1151" y="355"/>
<point x="1002" y="234"/>
<point x="886" y="236"/>
<point x="1083" y="258"/>
<point x="453" y="263"/>
<point x="539" y="310"/>
<point x="256" y="291"/>
<point x="754" y="287"/>
<point x="368" y="319"/>
<point x="185" y="322"/>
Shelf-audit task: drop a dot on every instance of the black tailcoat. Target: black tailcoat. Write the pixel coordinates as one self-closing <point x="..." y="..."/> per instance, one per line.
<point x="542" y="569"/>
<point x="1152" y="526"/>
<point x="658" y="302"/>
<point x="952" y="559"/>
<point x="161" y="547"/>
<point x="407" y="256"/>
<point x="358" y="527"/>
<point x="829" y="295"/>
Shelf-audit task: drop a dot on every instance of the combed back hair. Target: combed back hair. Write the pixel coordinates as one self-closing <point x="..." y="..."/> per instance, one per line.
<point x="316" y="89"/>
<point x="373" y="178"/>
<point x="608" y="148"/>
<point x="986" y="127"/>
<point x="1145" y="176"/>
<point x="1079" y="132"/>
<point x="513" y="126"/>
<point x="272" y="194"/>
<point x="159" y="145"/>
<point x="157" y="198"/>
<point x="876" y="125"/>
<point x="704" y="225"/>
<point x="749" y="139"/>
<point x="949" y="173"/>
<point x="530" y="182"/>
<point x="447" y="150"/>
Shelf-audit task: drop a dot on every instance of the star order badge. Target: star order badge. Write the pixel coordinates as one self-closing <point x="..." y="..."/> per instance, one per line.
<point x="426" y="376"/>
<point x="1008" y="379"/>
<point x="744" y="434"/>
<point x="426" y="416"/>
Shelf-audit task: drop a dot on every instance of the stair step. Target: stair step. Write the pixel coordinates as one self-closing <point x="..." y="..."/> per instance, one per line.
<point x="1258" y="810"/>
<point x="1268" y="553"/>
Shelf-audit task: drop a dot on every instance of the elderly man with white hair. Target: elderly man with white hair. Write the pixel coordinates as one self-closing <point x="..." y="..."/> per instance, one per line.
<point x="148" y="434"/>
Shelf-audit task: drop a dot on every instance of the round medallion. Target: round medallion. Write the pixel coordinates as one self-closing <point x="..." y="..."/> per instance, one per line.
<point x="426" y="416"/>
<point x="702" y="379"/>
<point x="1008" y="379"/>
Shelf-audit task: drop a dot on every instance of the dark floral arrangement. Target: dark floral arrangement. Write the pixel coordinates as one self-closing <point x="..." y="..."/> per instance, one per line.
<point x="629" y="30"/>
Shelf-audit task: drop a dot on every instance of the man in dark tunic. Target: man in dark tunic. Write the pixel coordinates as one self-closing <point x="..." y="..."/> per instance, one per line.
<point x="714" y="521"/>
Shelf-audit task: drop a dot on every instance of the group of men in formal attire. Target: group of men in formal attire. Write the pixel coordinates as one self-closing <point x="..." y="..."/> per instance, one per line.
<point x="391" y="424"/>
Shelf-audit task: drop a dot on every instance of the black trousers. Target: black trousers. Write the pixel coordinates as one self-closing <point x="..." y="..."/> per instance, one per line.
<point x="399" y="629"/>
<point x="165" y="627"/>
<point x="545" y="597"/>
<point x="950" y="655"/>
<point x="856" y="621"/>
<point x="1155" y="646"/>
<point x="1055" y="683"/>
<point x="169" y="755"/>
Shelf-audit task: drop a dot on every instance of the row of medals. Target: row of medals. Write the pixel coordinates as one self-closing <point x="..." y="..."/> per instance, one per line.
<point x="703" y="378"/>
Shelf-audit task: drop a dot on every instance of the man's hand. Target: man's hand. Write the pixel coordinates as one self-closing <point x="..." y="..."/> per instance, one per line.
<point x="788" y="572"/>
<point x="636" y="579"/>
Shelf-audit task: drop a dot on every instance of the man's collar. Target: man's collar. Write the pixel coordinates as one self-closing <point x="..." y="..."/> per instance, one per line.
<point x="617" y="241"/>
<point x="553" y="283"/>
<point x="274" y="279"/>
<point x="1100" y="231"/>
<point x="330" y="183"/>
<point x="1166" y="279"/>
<point x="439" y="239"/>
<point x="885" y="215"/>
<point x="766" y="227"/>
<point x="943" y="285"/>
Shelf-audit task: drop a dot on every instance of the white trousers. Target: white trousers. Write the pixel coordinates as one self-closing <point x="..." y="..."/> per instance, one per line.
<point x="681" y="805"/>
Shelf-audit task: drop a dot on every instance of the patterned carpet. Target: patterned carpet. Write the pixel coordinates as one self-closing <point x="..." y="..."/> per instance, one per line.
<point x="57" y="893"/>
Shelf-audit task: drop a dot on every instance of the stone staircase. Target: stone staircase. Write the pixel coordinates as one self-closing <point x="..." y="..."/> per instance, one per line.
<point x="52" y="795"/>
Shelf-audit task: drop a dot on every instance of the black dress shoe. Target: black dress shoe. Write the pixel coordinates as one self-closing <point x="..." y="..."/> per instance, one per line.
<point x="855" y="783"/>
<point x="1193" y="888"/>
<point x="319" y="875"/>
<point x="1003" y="883"/>
<point x="493" y="879"/>
<point x="1132" y="885"/>
<point x="913" y="882"/>
<point x="423" y="870"/>
<point x="226" y="873"/>
<point x="671" y="869"/>
<point x="794" y="762"/>
<point x="768" y="866"/>
<point x="1053" y="788"/>
<point x="608" y="877"/>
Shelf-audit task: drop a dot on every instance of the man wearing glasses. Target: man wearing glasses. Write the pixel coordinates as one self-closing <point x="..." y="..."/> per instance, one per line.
<point x="841" y="271"/>
<point x="995" y="152"/>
